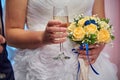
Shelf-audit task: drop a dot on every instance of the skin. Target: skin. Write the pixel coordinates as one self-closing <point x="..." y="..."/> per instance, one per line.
<point x="2" y="40"/>
<point x="18" y="37"/>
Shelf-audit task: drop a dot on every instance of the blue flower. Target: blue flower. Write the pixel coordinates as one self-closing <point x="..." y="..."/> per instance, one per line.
<point x="93" y="22"/>
<point x="87" y="22"/>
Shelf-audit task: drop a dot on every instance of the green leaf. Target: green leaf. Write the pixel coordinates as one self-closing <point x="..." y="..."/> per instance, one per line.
<point x="105" y="19"/>
<point x="93" y="36"/>
<point x="112" y="37"/>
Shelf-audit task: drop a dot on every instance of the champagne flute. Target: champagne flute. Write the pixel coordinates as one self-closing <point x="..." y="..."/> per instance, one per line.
<point x="61" y="13"/>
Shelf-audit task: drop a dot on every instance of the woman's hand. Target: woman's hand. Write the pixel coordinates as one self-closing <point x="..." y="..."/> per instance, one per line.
<point x="94" y="51"/>
<point x="56" y="32"/>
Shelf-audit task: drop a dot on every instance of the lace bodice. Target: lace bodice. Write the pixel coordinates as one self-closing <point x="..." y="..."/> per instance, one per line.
<point x="40" y="11"/>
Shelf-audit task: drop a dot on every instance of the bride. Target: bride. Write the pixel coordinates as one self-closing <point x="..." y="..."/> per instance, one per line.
<point x="38" y="45"/>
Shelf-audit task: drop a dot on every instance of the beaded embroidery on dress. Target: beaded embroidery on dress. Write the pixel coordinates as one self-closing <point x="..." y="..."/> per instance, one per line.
<point x="38" y="64"/>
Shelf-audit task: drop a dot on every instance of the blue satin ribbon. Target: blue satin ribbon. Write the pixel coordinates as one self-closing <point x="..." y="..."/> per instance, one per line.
<point x="77" y="78"/>
<point x="87" y="54"/>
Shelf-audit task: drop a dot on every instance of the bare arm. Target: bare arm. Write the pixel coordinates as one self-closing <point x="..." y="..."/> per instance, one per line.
<point x="15" y="19"/>
<point x="18" y="37"/>
<point x="98" y="8"/>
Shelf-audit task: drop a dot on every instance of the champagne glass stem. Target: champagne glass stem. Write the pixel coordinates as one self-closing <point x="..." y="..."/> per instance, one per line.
<point x="61" y="13"/>
<point x="61" y="47"/>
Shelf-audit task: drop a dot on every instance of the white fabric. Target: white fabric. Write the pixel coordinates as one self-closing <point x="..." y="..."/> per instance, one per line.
<point x="38" y="64"/>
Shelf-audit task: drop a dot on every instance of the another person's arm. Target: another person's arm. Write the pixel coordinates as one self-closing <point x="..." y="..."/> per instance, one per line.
<point x="2" y="40"/>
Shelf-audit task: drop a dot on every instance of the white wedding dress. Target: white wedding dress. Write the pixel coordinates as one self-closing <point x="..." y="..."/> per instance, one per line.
<point x="38" y="64"/>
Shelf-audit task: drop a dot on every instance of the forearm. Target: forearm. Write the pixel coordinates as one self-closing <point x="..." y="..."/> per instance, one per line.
<point x="99" y="8"/>
<point x="20" y="38"/>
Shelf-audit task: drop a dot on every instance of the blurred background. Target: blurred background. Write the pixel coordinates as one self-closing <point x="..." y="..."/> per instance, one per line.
<point x="112" y="9"/>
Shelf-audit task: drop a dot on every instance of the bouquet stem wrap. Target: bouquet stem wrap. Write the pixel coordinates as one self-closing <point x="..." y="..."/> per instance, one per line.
<point x="84" y="73"/>
<point x="84" y="70"/>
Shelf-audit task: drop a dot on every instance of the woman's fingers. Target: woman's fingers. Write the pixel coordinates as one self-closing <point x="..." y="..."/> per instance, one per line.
<point x="64" y="25"/>
<point x="92" y="58"/>
<point x="57" y="37"/>
<point x="60" y="40"/>
<point x="53" y="22"/>
<point x="55" y="28"/>
<point x="93" y="54"/>
<point x="90" y="52"/>
<point x="56" y="32"/>
<point x="96" y="45"/>
<point x="57" y="22"/>
<point x="93" y="46"/>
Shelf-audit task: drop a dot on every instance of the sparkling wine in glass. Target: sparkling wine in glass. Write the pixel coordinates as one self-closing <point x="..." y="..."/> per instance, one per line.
<point x="61" y="13"/>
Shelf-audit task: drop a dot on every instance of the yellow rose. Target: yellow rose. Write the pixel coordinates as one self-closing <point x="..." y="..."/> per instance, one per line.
<point x="90" y="29"/>
<point x="78" y="34"/>
<point x="82" y="21"/>
<point x="71" y="27"/>
<point x="103" y="36"/>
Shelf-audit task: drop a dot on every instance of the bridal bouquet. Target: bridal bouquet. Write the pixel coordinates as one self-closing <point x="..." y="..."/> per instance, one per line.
<point x="87" y="30"/>
<point x="90" y="30"/>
